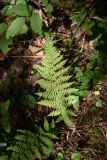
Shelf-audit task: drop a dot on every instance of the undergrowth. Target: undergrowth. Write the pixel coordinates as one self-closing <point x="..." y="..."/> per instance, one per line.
<point x="70" y="91"/>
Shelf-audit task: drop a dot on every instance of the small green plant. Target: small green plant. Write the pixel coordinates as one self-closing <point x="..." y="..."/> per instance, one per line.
<point x="90" y="75"/>
<point x="76" y="156"/>
<point x="83" y="20"/>
<point x="98" y="102"/>
<point x="23" y="17"/>
<point x="60" y="156"/>
<point x="57" y="92"/>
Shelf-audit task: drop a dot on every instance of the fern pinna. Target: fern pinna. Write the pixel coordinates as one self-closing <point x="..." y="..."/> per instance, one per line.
<point x="55" y="82"/>
<point x="28" y="145"/>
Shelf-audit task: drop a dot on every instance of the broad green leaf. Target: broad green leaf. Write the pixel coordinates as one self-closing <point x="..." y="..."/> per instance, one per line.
<point x="46" y="125"/>
<point x="24" y="29"/>
<point x="49" y="7"/>
<point x="36" y="23"/>
<point x="5" y="122"/>
<point x="21" y="1"/>
<point x="7" y="10"/>
<point x="21" y="9"/>
<point x="4" y="106"/>
<point x="45" y="2"/>
<point x="4" y="45"/>
<point x="3" y="28"/>
<point x="31" y="101"/>
<point x="15" y="27"/>
<point x="76" y="156"/>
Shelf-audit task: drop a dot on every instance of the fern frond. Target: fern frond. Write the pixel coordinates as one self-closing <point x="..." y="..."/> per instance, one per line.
<point x="55" y="83"/>
<point x="28" y="145"/>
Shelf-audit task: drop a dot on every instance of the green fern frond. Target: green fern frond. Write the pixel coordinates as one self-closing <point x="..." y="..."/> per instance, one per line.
<point x="28" y="145"/>
<point x="55" y="83"/>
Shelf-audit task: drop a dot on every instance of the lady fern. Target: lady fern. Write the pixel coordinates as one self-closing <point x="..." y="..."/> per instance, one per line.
<point x="29" y="145"/>
<point x="55" y="82"/>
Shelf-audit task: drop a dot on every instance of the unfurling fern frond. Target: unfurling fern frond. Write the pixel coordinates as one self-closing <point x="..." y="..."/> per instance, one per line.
<point x="28" y="145"/>
<point x="55" y="82"/>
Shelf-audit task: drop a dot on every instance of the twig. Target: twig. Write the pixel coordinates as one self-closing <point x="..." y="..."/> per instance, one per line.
<point x="82" y="46"/>
<point x="24" y="56"/>
<point x="36" y="56"/>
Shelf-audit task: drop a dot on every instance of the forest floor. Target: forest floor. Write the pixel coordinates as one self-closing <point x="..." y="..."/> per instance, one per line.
<point x="89" y="132"/>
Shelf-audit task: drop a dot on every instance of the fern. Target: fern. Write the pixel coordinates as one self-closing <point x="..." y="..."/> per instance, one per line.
<point x="55" y="82"/>
<point x="28" y="145"/>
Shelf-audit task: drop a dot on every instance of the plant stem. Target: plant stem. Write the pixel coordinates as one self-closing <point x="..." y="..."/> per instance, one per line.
<point x="28" y="8"/>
